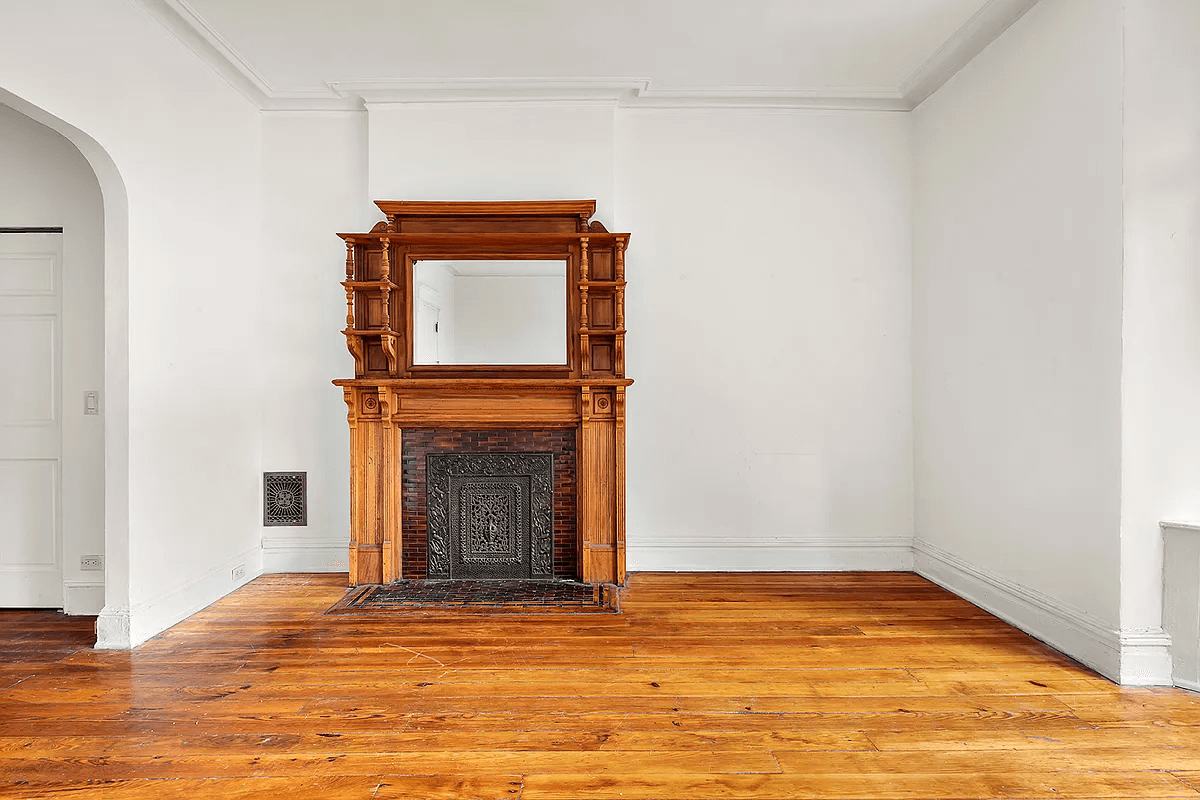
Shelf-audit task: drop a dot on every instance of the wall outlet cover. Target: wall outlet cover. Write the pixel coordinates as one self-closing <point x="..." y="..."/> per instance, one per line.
<point x="91" y="563"/>
<point x="239" y="572"/>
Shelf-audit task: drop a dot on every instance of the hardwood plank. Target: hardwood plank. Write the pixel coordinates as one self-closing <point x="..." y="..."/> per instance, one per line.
<point x="849" y="685"/>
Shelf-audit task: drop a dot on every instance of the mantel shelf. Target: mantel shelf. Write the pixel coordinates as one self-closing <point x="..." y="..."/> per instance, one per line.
<point x="371" y="285"/>
<point x="603" y="284"/>
<point x="461" y="239"/>
<point x="485" y="383"/>
<point x="370" y="332"/>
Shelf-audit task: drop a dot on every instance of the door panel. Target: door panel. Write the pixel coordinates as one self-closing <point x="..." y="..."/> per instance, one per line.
<point x="27" y="362"/>
<point x="28" y="500"/>
<point x="30" y="420"/>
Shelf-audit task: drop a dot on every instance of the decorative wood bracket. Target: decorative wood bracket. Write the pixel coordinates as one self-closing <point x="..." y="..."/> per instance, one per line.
<point x="355" y="345"/>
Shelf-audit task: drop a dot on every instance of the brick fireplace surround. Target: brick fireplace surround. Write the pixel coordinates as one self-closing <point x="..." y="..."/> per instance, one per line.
<point x="419" y="443"/>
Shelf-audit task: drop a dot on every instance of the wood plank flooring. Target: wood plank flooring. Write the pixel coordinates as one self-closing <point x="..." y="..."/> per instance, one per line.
<point x="849" y="685"/>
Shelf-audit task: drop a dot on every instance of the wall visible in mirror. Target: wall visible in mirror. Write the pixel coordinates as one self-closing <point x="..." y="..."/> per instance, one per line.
<point x="490" y="312"/>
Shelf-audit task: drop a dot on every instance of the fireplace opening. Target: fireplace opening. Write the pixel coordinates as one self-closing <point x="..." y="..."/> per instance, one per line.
<point x="489" y="505"/>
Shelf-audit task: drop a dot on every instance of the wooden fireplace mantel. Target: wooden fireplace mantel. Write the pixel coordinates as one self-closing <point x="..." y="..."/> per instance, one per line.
<point x="390" y="394"/>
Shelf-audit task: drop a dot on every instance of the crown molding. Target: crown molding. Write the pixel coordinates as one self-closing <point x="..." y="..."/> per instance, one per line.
<point x="182" y="22"/>
<point x="969" y="41"/>
<point x="493" y="90"/>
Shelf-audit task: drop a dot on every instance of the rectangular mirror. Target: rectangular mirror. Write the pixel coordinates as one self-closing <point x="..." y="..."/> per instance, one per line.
<point x="489" y="312"/>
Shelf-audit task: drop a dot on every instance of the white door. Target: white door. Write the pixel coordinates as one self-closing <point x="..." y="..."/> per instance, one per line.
<point x="30" y="420"/>
<point x="427" y="333"/>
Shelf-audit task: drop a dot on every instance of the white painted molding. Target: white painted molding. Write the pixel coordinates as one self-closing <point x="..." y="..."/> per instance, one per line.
<point x="1181" y="599"/>
<point x="1145" y="657"/>
<point x="492" y="90"/>
<point x="1131" y="658"/>
<point x="625" y="92"/>
<point x="755" y="97"/>
<point x="969" y="41"/>
<point x="770" y="554"/>
<point x="185" y="25"/>
<point x="126" y="628"/>
<point x="83" y="597"/>
<point x="1075" y="633"/>
<point x="283" y="553"/>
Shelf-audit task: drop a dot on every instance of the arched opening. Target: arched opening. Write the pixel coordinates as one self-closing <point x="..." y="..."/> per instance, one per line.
<point x="58" y="177"/>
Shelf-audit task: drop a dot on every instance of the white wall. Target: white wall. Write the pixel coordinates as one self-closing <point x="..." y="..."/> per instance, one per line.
<point x="314" y="186"/>
<point x="46" y="182"/>
<point x="1161" y="384"/>
<point x="510" y="320"/>
<point x="1017" y="328"/>
<point x="186" y="150"/>
<point x="493" y="151"/>
<point x="768" y="316"/>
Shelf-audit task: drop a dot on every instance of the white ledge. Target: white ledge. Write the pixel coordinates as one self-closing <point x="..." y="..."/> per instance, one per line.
<point x="1179" y="525"/>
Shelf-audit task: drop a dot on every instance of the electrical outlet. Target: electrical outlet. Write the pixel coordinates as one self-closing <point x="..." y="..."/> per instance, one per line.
<point x="239" y="572"/>
<point x="91" y="563"/>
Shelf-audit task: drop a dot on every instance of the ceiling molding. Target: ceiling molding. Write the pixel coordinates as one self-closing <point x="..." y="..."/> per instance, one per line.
<point x="752" y="97"/>
<point x="492" y="90"/>
<point x="182" y="22"/>
<point x="960" y="49"/>
<point x="626" y="92"/>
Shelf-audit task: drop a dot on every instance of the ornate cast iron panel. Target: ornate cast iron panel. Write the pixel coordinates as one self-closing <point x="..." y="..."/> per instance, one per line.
<point x="490" y="515"/>
<point x="285" y="498"/>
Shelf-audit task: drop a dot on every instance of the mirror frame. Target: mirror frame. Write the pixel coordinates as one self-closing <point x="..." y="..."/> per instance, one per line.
<point x="559" y="251"/>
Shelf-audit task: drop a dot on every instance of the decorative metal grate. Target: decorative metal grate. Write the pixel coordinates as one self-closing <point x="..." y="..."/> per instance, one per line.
<point x="490" y="515"/>
<point x="285" y="498"/>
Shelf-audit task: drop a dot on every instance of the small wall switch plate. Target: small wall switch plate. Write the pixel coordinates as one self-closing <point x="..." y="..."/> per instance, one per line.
<point x="239" y="572"/>
<point x="91" y="402"/>
<point x="91" y="563"/>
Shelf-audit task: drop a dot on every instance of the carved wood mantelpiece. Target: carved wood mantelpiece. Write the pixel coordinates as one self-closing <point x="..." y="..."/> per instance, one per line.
<point x="390" y="393"/>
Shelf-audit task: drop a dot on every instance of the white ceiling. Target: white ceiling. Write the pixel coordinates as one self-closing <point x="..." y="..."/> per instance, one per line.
<point x="673" y="49"/>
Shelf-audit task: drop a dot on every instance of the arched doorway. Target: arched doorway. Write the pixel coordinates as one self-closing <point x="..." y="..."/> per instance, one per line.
<point x="64" y="306"/>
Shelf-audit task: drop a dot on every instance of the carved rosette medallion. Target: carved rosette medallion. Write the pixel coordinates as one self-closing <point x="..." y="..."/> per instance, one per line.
<point x="490" y="515"/>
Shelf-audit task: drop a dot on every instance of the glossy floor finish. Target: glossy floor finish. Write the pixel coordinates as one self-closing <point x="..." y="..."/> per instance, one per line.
<point x="705" y="686"/>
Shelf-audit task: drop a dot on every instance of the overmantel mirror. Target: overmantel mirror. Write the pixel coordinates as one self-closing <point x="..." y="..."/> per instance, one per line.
<point x="489" y="312"/>
<point x="489" y="384"/>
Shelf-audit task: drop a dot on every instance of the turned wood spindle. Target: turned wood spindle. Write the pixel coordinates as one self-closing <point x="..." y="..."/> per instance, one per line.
<point x="385" y="285"/>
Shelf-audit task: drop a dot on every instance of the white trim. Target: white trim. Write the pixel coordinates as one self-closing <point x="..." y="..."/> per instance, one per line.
<point x="1070" y="630"/>
<point x="283" y="553"/>
<point x="985" y="27"/>
<point x="771" y="554"/>
<point x="125" y="628"/>
<point x="83" y="597"/>
<point x="184" y="24"/>
<point x="1145" y="657"/>
<point x="1181" y="606"/>
<point x="1131" y="658"/>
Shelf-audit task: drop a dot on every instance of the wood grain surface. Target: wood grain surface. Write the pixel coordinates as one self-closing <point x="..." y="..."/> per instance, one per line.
<point x="847" y="685"/>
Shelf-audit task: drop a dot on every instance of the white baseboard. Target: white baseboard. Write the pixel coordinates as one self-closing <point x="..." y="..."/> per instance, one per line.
<point x="771" y="554"/>
<point x="1191" y="686"/>
<point x="1145" y="657"/>
<point x="1131" y="658"/>
<point x="125" y="628"/>
<point x="83" y="597"/>
<point x="308" y="554"/>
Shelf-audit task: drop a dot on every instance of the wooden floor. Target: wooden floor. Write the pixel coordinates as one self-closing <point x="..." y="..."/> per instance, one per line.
<point x="706" y="686"/>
